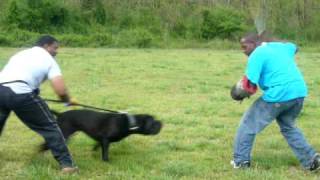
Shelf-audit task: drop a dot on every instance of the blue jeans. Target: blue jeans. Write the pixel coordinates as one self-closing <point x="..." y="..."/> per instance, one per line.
<point x="261" y="114"/>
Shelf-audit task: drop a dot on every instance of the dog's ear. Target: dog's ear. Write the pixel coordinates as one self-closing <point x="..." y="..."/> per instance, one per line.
<point x="144" y="116"/>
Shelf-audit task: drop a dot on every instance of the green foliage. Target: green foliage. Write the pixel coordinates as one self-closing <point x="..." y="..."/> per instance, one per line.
<point x="73" y="40"/>
<point x="154" y="23"/>
<point x="18" y="38"/>
<point x="179" y="29"/>
<point x="222" y="22"/>
<point x="4" y="41"/>
<point x="126" y="20"/>
<point x="309" y="32"/>
<point x="93" y="11"/>
<point x="37" y="16"/>
<point x="13" y="14"/>
<point x="100" y="14"/>
<point x="139" y="37"/>
<point x="23" y="38"/>
<point x="101" y="39"/>
<point x="87" y="4"/>
<point x="91" y="40"/>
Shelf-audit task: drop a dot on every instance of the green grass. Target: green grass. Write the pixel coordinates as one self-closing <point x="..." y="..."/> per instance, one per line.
<point x="189" y="91"/>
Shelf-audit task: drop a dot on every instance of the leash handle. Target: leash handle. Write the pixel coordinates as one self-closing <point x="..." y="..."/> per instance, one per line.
<point x="82" y="105"/>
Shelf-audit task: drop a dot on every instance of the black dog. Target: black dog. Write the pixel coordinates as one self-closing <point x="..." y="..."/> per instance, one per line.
<point x="105" y="128"/>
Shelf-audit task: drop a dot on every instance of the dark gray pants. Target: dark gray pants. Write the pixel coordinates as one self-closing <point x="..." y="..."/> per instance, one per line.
<point x="34" y="113"/>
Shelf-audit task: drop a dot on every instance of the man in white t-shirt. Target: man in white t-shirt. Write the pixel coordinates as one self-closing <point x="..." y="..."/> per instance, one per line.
<point x="19" y="92"/>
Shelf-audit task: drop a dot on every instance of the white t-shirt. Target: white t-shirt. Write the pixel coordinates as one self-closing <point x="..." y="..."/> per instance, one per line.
<point x="33" y="66"/>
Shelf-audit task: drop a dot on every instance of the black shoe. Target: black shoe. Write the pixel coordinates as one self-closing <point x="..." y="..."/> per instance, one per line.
<point x="241" y="165"/>
<point x="315" y="165"/>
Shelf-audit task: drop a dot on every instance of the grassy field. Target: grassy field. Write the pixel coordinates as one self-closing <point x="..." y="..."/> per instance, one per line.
<point x="189" y="91"/>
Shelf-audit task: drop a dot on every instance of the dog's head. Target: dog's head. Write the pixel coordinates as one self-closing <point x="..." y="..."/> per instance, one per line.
<point x="147" y="125"/>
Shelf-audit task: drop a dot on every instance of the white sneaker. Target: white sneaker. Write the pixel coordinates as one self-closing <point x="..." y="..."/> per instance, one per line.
<point x="315" y="165"/>
<point x="242" y="165"/>
<point x="69" y="170"/>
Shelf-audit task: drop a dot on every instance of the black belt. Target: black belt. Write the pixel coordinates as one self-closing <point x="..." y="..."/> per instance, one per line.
<point x="35" y="91"/>
<point x="14" y="82"/>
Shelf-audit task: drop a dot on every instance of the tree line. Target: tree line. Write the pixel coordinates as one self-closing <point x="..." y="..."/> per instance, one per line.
<point x="154" y="23"/>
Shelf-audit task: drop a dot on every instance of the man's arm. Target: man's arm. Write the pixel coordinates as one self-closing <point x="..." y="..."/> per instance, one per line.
<point x="60" y="88"/>
<point x="248" y="86"/>
<point x="243" y="89"/>
<point x="297" y="49"/>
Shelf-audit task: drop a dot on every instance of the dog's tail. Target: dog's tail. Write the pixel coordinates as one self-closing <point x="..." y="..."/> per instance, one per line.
<point x="43" y="147"/>
<point x="56" y="113"/>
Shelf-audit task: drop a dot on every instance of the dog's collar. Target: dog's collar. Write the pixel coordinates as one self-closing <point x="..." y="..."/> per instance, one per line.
<point x="132" y="122"/>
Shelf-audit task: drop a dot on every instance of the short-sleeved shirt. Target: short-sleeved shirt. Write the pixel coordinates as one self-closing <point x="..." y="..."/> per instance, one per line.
<point x="272" y="66"/>
<point x="33" y="66"/>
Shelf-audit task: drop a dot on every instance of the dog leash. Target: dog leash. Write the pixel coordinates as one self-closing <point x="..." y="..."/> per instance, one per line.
<point x="132" y="121"/>
<point x="83" y="105"/>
